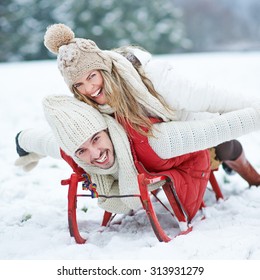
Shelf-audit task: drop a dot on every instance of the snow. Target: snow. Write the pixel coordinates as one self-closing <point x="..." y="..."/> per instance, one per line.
<point x="33" y="208"/>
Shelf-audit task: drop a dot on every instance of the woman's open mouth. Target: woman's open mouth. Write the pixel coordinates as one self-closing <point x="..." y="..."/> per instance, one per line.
<point x="96" y="93"/>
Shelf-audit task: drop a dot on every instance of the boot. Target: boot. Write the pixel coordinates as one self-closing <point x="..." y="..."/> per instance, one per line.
<point x="243" y="167"/>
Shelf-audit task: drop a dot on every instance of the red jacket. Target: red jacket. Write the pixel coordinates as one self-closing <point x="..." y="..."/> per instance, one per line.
<point x="189" y="172"/>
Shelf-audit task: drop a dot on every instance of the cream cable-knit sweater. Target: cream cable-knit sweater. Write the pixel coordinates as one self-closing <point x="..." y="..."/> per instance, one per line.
<point x="40" y="141"/>
<point x="171" y="139"/>
<point x="188" y="96"/>
<point x="181" y="137"/>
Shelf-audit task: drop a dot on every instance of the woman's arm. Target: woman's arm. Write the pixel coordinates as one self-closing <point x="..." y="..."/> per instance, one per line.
<point x="177" y="138"/>
<point x="182" y="94"/>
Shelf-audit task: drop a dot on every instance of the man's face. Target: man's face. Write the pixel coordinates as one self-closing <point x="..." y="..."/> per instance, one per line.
<point x="97" y="151"/>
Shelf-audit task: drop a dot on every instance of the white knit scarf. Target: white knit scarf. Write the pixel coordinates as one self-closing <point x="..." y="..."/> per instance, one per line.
<point x="142" y="95"/>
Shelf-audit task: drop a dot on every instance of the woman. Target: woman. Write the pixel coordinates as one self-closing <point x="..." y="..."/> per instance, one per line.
<point x="109" y="82"/>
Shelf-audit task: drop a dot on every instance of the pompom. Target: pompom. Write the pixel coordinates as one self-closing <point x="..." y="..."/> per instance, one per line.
<point x="57" y="35"/>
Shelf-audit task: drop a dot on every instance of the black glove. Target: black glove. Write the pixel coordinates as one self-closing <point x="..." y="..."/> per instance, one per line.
<point x="20" y="151"/>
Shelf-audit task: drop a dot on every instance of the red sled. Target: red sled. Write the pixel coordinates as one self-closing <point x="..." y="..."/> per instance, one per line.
<point x="149" y="184"/>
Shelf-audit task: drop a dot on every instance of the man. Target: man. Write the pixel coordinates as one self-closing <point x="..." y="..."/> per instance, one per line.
<point x="86" y="136"/>
<point x="99" y="145"/>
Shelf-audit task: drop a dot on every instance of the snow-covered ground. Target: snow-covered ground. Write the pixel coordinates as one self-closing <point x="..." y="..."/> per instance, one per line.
<point x="33" y="206"/>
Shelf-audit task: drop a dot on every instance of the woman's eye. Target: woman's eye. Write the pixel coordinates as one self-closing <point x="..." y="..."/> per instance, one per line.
<point x="76" y="85"/>
<point x="92" y="76"/>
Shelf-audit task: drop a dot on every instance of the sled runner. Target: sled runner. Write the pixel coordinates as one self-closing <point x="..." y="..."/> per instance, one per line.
<point x="149" y="184"/>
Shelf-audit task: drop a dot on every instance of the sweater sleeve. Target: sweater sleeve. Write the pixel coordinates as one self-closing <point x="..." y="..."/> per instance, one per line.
<point x="182" y="94"/>
<point x="39" y="141"/>
<point x="177" y="138"/>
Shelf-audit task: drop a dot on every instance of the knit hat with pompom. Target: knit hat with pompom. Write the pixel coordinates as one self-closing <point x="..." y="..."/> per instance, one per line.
<point x="76" y="56"/>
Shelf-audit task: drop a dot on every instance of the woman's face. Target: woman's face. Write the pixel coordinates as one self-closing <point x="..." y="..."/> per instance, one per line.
<point x="91" y="85"/>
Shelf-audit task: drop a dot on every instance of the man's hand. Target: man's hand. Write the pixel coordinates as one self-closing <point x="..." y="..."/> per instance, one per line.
<point x="26" y="160"/>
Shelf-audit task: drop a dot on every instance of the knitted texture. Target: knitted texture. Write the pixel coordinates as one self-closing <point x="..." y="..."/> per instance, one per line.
<point x="189" y="95"/>
<point x="127" y="173"/>
<point x="76" y="56"/>
<point x="108" y="185"/>
<point x="40" y="141"/>
<point x="72" y="122"/>
<point x="178" y="138"/>
<point x="126" y="70"/>
<point x="121" y="178"/>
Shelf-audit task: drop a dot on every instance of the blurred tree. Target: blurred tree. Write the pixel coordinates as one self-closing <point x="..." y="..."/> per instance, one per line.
<point x="155" y="25"/>
<point x="22" y="25"/>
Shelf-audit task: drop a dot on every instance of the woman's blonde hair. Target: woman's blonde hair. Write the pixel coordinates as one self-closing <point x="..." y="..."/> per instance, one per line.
<point x="122" y="99"/>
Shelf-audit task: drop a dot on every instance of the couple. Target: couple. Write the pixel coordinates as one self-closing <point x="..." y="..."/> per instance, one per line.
<point x="146" y="103"/>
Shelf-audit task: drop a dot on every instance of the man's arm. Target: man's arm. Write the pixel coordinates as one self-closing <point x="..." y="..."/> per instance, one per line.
<point x="176" y="138"/>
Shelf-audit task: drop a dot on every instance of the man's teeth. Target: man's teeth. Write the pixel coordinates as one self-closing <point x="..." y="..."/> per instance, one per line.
<point x="95" y="94"/>
<point x="102" y="158"/>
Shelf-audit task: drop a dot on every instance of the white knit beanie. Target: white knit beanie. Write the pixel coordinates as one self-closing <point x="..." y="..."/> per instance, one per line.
<point x="76" y="56"/>
<point x="72" y="121"/>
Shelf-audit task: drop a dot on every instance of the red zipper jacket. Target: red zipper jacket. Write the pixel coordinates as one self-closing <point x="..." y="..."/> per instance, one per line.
<point x="189" y="172"/>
